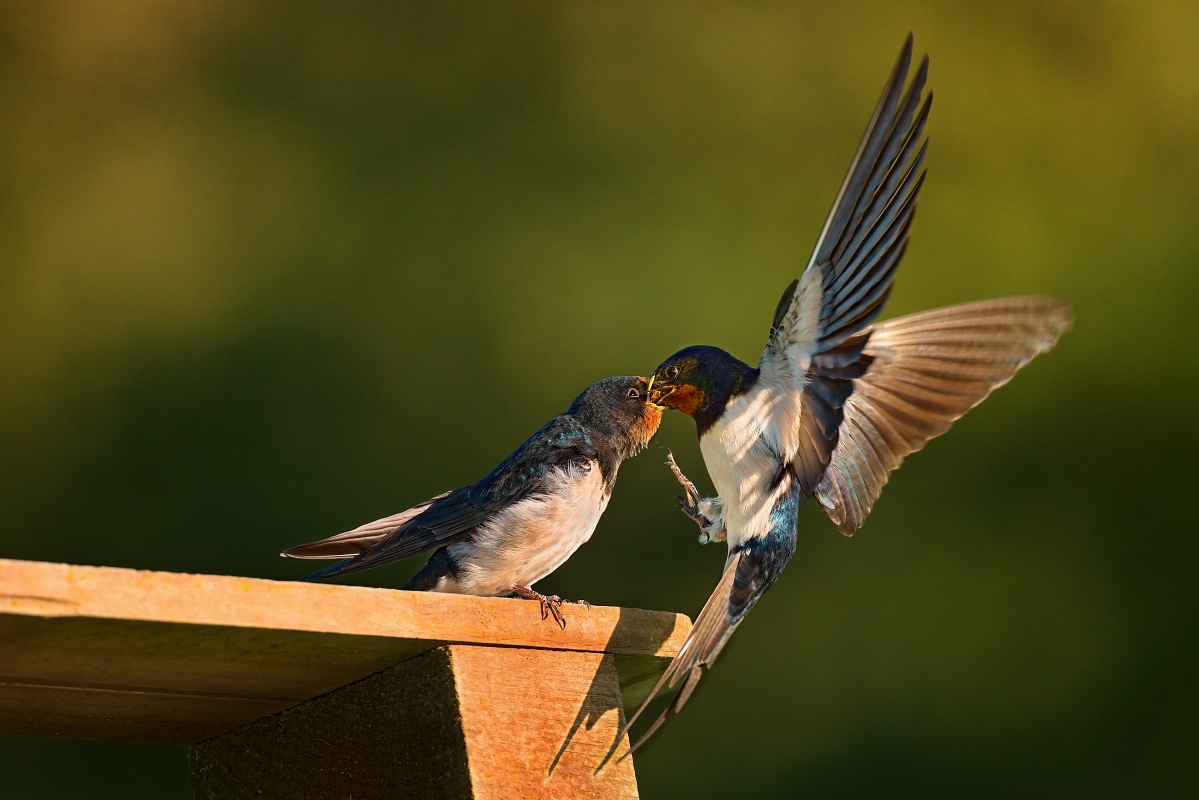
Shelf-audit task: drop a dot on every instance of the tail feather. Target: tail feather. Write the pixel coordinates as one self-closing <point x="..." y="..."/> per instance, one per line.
<point x="707" y="638"/>
<point x="351" y="543"/>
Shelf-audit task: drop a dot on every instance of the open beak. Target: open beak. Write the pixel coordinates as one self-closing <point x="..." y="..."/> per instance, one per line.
<point x="656" y="396"/>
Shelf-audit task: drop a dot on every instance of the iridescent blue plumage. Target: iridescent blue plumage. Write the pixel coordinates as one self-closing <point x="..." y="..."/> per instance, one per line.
<point x="761" y="559"/>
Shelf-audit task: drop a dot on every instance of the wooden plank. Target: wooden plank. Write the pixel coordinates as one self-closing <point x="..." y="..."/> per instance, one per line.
<point x="33" y="588"/>
<point x="156" y="657"/>
<point x="130" y="680"/>
<point x="460" y="721"/>
<point x="542" y="724"/>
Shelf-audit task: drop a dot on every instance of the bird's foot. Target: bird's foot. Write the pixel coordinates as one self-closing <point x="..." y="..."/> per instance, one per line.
<point x="692" y="500"/>
<point x="551" y="604"/>
<point x="703" y="511"/>
<point x="692" y="511"/>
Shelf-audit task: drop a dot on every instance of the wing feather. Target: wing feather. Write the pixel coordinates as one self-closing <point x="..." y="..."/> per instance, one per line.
<point x="351" y="543"/>
<point x="886" y="168"/>
<point x="862" y="166"/>
<point x="928" y="370"/>
<point x="890" y="224"/>
<point x="850" y="275"/>
<point x="441" y="523"/>
<point x="560" y="443"/>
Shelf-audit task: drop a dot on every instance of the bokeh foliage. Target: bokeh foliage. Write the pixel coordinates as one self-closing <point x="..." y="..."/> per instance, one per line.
<point x="270" y="270"/>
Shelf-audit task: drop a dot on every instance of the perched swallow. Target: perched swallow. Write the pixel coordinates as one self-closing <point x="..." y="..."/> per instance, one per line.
<point x="835" y="402"/>
<point x="524" y="519"/>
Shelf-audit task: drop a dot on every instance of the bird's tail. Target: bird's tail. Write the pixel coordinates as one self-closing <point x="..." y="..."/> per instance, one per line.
<point x="705" y="641"/>
<point x="353" y="543"/>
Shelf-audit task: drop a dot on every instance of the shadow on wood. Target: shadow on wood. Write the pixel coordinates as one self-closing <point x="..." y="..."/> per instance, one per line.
<point x="305" y="686"/>
<point x="459" y="721"/>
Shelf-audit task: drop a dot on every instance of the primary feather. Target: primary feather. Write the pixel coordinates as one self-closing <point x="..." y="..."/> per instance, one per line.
<point x="816" y="342"/>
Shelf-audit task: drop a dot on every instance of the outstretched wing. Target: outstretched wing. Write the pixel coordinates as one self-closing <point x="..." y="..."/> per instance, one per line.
<point x="561" y="442"/>
<point x="816" y="341"/>
<point x="926" y="371"/>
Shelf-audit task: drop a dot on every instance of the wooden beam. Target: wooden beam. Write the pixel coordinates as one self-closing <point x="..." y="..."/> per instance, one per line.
<point x="461" y="721"/>
<point x="34" y="588"/>
<point x="127" y="655"/>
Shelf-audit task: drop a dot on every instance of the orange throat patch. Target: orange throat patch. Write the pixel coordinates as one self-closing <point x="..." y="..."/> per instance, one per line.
<point x="645" y="428"/>
<point x="686" y="398"/>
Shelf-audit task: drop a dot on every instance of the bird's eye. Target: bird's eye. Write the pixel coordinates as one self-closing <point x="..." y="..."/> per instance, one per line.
<point x="672" y="372"/>
<point x="634" y="393"/>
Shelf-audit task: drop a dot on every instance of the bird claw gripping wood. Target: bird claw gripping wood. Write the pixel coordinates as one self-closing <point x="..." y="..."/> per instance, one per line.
<point x="703" y="511"/>
<point x="551" y="604"/>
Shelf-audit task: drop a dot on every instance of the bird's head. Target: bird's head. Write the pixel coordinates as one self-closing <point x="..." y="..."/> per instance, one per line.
<point x="699" y="381"/>
<point x="618" y="407"/>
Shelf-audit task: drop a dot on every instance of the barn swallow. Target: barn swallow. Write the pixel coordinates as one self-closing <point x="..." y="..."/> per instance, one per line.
<point x="524" y="519"/>
<point x="836" y="401"/>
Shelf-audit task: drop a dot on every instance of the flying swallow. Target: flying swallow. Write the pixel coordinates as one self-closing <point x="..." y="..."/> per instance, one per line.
<point x="524" y="519"/>
<point x="836" y="401"/>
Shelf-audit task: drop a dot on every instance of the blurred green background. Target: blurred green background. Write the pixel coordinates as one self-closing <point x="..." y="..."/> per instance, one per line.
<point x="268" y="271"/>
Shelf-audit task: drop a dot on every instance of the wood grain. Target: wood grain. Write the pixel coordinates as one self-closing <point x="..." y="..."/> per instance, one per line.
<point x="542" y="724"/>
<point x="125" y="655"/>
<point x="35" y="588"/>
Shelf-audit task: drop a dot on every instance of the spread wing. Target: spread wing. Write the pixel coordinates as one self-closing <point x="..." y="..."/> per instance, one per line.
<point x="927" y="370"/>
<point x="817" y="340"/>
<point x="561" y="442"/>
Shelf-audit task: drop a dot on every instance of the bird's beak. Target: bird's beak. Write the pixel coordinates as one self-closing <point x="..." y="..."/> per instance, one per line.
<point x="655" y="395"/>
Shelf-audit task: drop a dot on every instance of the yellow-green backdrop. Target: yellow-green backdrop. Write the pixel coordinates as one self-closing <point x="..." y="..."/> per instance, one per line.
<point x="271" y="270"/>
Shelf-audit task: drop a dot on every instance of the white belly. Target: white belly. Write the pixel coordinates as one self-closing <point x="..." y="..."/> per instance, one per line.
<point x="742" y="466"/>
<point x="533" y="538"/>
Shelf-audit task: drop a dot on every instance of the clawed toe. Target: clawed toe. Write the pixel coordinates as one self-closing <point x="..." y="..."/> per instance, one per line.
<point x="703" y="511"/>
<point x="551" y="604"/>
<point x="692" y="511"/>
<point x="689" y="503"/>
<point x="688" y="487"/>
